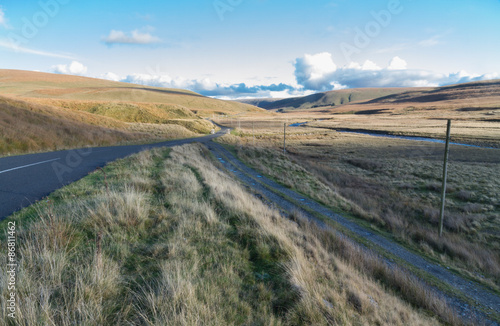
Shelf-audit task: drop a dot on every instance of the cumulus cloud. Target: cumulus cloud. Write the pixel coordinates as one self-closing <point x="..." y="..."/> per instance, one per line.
<point x="314" y="73"/>
<point x="110" y="76"/>
<point x="74" y="68"/>
<point x="320" y="73"/>
<point x="397" y="64"/>
<point x="134" y="37"/>
<point x="207" y="87"/>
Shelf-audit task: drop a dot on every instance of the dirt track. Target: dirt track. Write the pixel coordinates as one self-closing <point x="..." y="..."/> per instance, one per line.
<point x="483" y="304"/>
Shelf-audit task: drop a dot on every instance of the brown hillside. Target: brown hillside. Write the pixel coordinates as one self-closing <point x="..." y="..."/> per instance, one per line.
<point x="29" y="85"/>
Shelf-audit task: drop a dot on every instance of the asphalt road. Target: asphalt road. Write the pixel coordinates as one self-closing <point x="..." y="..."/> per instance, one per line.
<point x="26" y="179"/>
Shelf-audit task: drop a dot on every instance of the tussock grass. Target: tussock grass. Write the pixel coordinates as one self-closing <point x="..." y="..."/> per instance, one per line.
<point x="124" y="111"/>
<point x="135" y="112"/>
<point x="173" y="240"/>
<point x="29" y="85"/>
<point x="28" y="127"/>
<point x="395" y="190"/>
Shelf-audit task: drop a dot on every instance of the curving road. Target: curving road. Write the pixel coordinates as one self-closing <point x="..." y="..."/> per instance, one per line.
<point x="26" y="179"/>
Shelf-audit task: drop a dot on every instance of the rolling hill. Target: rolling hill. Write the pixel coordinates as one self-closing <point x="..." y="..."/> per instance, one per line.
<point x="44" y="86"/>
<point x="484" y="91"/>
<point x="41" y="111"/>
<point x="325" y="100"/>
<point x="27" y="127"/>
<point x="474" y="96"/>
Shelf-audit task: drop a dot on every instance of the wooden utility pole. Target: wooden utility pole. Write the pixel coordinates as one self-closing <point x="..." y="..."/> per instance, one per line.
<point x="284" y="138"/>
<point x="445" y="177"/>
<point x="253" y="134"/>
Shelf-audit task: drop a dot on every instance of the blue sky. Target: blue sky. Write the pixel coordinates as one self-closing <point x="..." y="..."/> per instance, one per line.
<point x="256" y="48"/>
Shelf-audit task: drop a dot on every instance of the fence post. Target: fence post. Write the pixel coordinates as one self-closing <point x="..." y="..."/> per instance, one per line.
<point x="445" y="177"/>
<point x="253" y="134"/>
<point x="284" y="138"/>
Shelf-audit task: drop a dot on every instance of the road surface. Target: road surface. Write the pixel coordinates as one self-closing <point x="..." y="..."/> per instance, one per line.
<point x="26" y="179"/>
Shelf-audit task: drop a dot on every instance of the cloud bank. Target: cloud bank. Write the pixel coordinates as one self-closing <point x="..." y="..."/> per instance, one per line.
<point x="313" y="73"/>
<point x="319" y="72"/>
<point x="207" y="87"/>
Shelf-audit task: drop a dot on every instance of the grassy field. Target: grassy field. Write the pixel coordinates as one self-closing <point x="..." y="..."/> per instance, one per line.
<point x="393" y="186"/>
<point x="29" y="127"/>
<point x="43" y="112"/>
<point x="34" y="85"/>
<point x="166" y="238"/>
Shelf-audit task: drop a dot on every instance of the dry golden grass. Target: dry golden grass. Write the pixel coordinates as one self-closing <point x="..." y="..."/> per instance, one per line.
<point x="394" y="185"/>
<point x="475" y="100"/>
<point x="472" y="127"/>
<point x="30" y="128"/>
<point x="28" y="84"/>
<point x="60" y="111"/>
<point x="27" y="127"/>
<point x="123" y="111"/>
<point x="176" y="241"/>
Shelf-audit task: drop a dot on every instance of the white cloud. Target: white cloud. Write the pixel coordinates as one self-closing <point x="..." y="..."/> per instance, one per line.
<point x="370" y="65"/>
<point x="315" y="72"/>
<point x="135" y="37"/>
<point x="110" y="76"/>
<point x="397" y="64"/>
<point x="288" y="93"/>
<point x="207" y="87"/>
<point x="74" y="68"/>
<point x="14" y="47"/>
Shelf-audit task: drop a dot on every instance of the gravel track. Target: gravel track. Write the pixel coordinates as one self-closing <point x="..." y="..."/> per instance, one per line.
<point x="486" y="304"/>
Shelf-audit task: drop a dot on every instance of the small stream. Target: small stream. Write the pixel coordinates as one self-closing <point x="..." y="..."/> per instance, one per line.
<point x="298" y="124"/>
<point x="414" y="138"/>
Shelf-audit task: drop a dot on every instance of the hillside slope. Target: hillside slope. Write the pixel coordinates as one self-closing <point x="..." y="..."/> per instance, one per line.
<point x="26" y="127"/>
<point x="325" y="100"/>
<point x="42" y="111"/>
<point x="481" y="91"/>
<point x="36" y="85"/>
<point x="467" y="97"/>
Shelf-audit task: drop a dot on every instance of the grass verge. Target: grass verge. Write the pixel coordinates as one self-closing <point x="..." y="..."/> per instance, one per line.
<point x="166" y="238"/>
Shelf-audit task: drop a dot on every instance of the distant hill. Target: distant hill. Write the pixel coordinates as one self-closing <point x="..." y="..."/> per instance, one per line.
<point x="483" y="90"/>
<point x="468" y="96"/>
<point x="325" y="100"/>
<point x="36" y="85"/>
